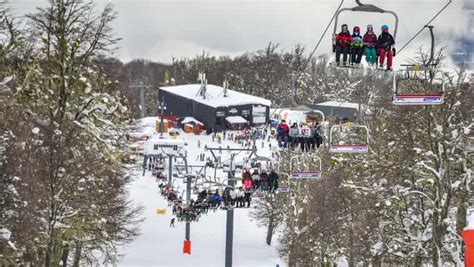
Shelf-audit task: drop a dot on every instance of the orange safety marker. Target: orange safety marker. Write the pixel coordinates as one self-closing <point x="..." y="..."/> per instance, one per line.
<point x="160" y="211"/>
<point x="187" y="247"/>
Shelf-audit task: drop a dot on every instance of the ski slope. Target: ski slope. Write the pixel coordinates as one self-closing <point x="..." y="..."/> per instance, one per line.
<point x="161" y="245"/>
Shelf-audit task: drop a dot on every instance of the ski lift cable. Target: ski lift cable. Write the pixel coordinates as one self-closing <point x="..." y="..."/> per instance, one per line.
<point x="422" y="28"/>
<point x="299" y="71"/>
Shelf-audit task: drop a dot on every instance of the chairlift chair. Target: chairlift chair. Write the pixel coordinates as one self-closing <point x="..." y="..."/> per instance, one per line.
<point x="413" y="86"/>
<point x="345" y="131"/>
<point x="301" y="167"/>
<point x="363" y="8"/>
<point x="283" y="183"/>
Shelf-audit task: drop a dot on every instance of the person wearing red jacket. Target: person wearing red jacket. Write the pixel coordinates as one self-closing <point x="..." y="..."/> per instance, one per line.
<point x="370" y="41"/>
<point x="343" y="40"/>
<point x="282" y="134"/>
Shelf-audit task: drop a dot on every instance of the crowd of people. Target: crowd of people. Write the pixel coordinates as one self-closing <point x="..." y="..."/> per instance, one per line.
<point x="244" y="137"/>
<point x="305" y="136"/>
<point x="356" y="45"/>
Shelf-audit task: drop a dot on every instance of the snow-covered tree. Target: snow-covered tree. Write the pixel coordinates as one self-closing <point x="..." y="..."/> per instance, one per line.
<point x="64" y="137"/>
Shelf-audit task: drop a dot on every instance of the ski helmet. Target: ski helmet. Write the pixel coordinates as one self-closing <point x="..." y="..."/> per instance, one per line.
<point x="356" y="29"/>
<point x="370" y="27"/>
<point x="344" y="26"/>
<point x="385" y="27"/>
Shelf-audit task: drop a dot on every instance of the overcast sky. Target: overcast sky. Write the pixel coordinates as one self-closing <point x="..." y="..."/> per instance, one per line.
<point x="161" y="29"/>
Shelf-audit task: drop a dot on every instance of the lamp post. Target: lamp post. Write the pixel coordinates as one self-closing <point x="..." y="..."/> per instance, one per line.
<point x="162" y="108"/>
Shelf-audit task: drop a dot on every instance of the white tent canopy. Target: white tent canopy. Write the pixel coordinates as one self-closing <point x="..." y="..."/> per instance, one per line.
<point x="188" y="120"/>
<point x="235" y="119"/>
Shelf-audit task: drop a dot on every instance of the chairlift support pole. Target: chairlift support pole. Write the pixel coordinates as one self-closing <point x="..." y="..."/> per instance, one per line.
<point x="230" y="219"/>
<point x="430" y="27"/>
<point x="141" y="86"/>
<point x="188" y="200"/>
<point x="230" y="212"/>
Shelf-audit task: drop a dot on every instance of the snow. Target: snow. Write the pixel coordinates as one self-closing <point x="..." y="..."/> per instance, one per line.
<point x="339" y="104"/>
<point x="161" y="245"/>
<point x="214" y="95"/>
<point x="188" y="120"/>
<point x="470" y="220"/>
<point x="235" y="119"/>
<point x="3" y="83"/>
<point x="5" y="233"/>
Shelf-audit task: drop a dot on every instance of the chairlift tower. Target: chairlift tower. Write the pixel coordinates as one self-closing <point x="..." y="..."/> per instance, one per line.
<point x="226" y="87"/>
<point x="203" y="90"/>
<point x="230" y="212"/>
<point x="141" y="86"/>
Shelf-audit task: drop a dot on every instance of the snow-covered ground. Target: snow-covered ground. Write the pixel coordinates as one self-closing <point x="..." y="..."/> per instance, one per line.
<point x="161" y="245"/>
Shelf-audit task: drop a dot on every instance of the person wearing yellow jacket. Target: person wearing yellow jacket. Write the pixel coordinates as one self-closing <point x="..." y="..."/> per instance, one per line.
<point x="357" y="46"/>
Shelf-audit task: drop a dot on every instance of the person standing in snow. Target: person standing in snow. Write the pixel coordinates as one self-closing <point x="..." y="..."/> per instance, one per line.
<point x="255" y="179"/>
<point x="216" y="198"/>
<point x="246" y="175"/>
<point x="294" y="133"/>
<point x="248" y="190"/>
<point x="305" y="136"/>
<point x="264" y="180"/>
<point x="273" y="181"/>
<point x="282" y="134"/>
<point x="233" y="197"/>
<point x="240" y="198"/>
<point x="172" y="222"/>
<point x="318" y="134"/>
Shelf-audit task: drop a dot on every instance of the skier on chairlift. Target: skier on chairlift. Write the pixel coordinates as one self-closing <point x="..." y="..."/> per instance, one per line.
<point x="356" y="47"/>
<point x="343" y="40"/>
<point x="370" y="41"/>
<point x="384" y="45"/>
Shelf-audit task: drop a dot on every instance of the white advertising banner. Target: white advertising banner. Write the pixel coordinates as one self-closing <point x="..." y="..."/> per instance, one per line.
<point x="259" y="114"/>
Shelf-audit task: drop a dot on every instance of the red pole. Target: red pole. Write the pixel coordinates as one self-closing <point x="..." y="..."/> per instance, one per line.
<point x="468" y="236"/>
<point x="187" y="247"/>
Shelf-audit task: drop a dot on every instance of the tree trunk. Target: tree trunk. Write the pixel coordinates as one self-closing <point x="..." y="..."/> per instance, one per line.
<point x="49" y="251"/>
<point x="65" y="255"/>
<point x="77" y="255"/>
<point x="461" y="216"/>
<point x="270" y="231"/>
<point x="436" y="239"/>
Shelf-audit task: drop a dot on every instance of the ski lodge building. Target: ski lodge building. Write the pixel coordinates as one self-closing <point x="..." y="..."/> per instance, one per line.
<point x="217" y="107"/>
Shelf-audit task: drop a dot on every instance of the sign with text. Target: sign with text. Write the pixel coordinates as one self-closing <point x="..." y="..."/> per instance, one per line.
<point x="349" y="148"/>
<point x="259" y="114"/>
<point x="305" y="175"/>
